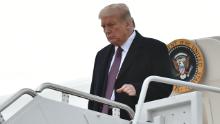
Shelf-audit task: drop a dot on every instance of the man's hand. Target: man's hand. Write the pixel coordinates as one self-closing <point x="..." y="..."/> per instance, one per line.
<point x="127" y="88"/>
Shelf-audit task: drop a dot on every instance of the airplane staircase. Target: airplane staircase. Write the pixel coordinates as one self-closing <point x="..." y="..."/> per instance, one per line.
<point x="180" y="109"/>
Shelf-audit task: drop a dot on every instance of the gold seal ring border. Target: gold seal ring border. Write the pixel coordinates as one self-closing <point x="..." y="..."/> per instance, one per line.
<point x="195" y="50"/>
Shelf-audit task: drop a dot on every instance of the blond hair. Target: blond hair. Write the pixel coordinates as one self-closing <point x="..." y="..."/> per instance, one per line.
<point x="119" y="9"/>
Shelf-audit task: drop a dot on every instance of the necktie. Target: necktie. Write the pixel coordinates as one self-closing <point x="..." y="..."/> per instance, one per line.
<point x="112" y="75"/>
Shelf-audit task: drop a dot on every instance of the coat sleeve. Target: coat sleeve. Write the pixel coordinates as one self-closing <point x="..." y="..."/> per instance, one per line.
<point x="91" y="104"/>
<point x="160" y="67"/>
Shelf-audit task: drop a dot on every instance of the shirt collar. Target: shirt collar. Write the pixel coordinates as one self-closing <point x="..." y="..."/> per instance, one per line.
<point x="127" y="44"/>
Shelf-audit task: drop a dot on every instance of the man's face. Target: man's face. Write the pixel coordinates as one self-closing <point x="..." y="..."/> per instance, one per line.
<point x="115" y="29"/>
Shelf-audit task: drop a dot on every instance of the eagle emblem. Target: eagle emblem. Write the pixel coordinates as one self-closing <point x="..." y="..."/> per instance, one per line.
<point x="182" y="65"/>
<point x="187" y="62"/>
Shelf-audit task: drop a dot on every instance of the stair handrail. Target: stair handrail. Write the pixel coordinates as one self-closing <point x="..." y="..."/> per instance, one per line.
<point x="17" y="95"/>
<point x="85" y="95"/>
<point x="199" y="87"/>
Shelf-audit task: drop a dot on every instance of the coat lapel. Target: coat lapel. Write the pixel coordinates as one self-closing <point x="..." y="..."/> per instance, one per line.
<point x="130" y="57"/>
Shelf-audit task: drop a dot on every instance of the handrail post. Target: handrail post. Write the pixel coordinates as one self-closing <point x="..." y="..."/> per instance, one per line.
<point x="65" y="97"/>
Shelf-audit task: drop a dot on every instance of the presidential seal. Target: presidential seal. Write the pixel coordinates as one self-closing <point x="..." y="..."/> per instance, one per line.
<point x="187" y="62"/>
